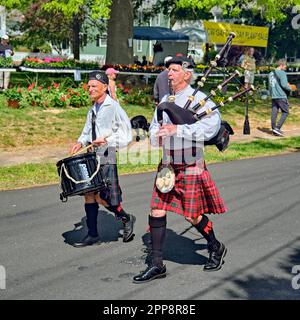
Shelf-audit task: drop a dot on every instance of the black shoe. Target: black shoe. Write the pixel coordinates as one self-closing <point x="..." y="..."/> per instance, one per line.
<point x="151" y="273"/>
<point x="87" y="241"/>
<point x="216" y="258"/>
<point x="128" y="229"/>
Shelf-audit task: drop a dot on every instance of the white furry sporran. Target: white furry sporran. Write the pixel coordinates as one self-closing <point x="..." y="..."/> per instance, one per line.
<point x="165" y="179"/>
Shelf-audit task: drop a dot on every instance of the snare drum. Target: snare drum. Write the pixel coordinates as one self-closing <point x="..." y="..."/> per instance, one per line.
<point x="80" y="174"/>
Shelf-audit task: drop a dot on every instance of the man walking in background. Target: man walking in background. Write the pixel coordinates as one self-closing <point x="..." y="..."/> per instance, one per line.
<point x="161" y="85"/>
<point x="279" y="90"/>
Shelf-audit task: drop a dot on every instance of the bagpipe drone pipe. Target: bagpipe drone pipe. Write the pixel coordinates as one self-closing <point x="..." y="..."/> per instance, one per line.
<point x="189" y="115"/>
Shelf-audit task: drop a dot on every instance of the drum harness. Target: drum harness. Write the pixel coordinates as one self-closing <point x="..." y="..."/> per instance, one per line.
<point x="63" y="168"/>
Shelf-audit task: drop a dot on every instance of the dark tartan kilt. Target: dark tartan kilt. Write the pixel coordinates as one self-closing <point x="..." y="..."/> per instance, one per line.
<point x="194" y="193"/>
<point x="113" y="196"/>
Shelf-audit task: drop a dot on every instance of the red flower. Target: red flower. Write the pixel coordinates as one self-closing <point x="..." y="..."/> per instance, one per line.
<point x="56" y="85"/>
<point x="31" y="86"/>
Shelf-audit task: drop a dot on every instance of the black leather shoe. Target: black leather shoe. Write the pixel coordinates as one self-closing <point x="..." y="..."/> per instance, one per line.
<point x="216" y="258"/>
<point x="128" y="229"/>
<point x="151" y="273"/>
<point x="87" y="241"/>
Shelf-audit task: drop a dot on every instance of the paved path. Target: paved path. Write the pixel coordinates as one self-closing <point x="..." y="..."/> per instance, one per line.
<point x="261" y="231"/>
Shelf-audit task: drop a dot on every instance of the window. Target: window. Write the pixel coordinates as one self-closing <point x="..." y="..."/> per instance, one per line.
<point x="156" y="20"/>
<point x="65" y="44"/>
<point x="139" y="45"/>
<point x="140" y="17"/>
<point x="84" y="39"/>
<point x="103" y="41"/>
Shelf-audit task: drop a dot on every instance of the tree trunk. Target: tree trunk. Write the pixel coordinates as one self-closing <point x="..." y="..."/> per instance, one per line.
<point x="76" y="38"/>
<point x="120" y="33"/>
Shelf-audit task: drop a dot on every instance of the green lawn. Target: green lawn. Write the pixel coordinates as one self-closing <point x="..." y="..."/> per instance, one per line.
<point x="36" y="127"/>
<point x="26" y="127"/>
<point x="28" y="175"/>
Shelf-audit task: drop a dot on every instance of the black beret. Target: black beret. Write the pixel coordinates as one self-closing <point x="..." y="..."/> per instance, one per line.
<point x="96" y="75"/>
<point x="183" y="61"/>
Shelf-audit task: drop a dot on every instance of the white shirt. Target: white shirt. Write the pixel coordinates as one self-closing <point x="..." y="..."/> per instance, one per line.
<point x="111" y="123"/>
<point x="200" y="131"/>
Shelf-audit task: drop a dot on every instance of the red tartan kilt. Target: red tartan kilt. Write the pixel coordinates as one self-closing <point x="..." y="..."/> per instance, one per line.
<point x="195" y="193"/>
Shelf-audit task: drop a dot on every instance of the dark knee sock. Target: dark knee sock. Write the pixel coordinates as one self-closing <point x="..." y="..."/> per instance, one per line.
<point x="158" y="234"/>
<point x="91" y="210"/>
<point x="119" y="212"/>
<point x="206" y="230"/>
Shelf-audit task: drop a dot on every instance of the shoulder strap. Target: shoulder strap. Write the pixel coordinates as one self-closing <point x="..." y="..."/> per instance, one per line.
<point x="276" y="77"/>
<point x="278" y="80"/>
<point x="93" y="125"/>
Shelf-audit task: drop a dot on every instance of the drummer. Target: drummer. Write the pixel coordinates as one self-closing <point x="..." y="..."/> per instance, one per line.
<point x="108" y="128"/>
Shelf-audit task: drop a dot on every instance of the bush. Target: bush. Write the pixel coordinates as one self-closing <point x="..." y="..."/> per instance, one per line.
<point x="138" y="97"/>
<point x="54" y="96"/>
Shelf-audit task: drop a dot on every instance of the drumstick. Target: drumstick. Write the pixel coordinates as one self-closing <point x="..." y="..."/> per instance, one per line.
<point x="82" y="150"/>
<point x="89" y="146"/>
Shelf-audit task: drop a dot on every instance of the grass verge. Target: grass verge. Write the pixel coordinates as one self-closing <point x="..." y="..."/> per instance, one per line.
<point x="29" y="175"/>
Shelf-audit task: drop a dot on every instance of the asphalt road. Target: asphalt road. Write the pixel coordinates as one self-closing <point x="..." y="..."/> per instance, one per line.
<point x="261" y="231"/>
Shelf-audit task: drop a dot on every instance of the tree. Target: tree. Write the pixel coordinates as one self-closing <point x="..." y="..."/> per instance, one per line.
<point x="39" y="29"/>
<point x="78" y="11"/>
<point x="75" y="13"/>
<point x="119" y="13"/>
<point x="120" y="33"/>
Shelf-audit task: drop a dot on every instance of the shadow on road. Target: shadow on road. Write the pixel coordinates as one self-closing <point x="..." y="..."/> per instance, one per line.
<point x="269" y="286"/>
<point x="108" y="229"/>
<point x="265" y="130"/>
<point x="177" y="249"/>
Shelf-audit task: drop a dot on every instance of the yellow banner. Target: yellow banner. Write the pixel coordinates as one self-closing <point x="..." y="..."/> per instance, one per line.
<point x="217" y="32"/>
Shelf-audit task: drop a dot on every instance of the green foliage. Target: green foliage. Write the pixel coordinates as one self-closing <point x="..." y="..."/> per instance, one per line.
<point x="53" y="96"/>
<point x="6" y="62"/>
<point x="58" y="63"/>
<point x="271" y="10"/>
<point x="98" y="8"/>
<point x="138" y="97"/>
<point x="15" y="93"/>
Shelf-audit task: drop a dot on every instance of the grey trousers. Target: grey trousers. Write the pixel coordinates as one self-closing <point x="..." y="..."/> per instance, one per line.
<point x="283" y="105"/>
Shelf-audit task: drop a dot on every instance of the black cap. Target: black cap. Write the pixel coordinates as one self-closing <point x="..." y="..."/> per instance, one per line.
<point x="182" y="61"/>
<point x="96" y="75"/>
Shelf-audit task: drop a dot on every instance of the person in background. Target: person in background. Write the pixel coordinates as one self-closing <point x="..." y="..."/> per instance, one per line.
<point x="279" y="87"/>
<point x="6" y="51"/>
<point x="248" y="63"/>
<point x="144" y="61"/>
<point x="136" y="60"/>
<point x="112" y="88"/>
<point x="161" y="85"/>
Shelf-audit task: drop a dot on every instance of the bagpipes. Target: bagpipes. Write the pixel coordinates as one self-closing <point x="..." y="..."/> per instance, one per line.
<point x="189" y="115"/>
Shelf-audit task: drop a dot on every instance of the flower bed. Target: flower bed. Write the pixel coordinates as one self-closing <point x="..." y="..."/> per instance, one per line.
<point x="54" y="96"/>
<point x="133" y="68"/>
<point x="58" y="63"/>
